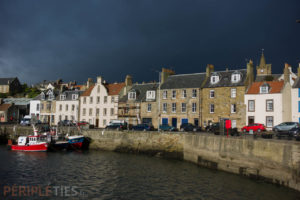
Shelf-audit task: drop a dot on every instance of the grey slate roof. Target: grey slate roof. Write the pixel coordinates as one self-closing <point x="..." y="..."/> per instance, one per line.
<point x="39" y="97"/>
<point x="225" y="79"/>
<point x="18" y="101"/>
<point x="260" y="78"/>
<point x="297" y="83"/>
<point x="4" y="81"/>
<point x="141" y="90"/>
<point x="184" y="81"/>
<point x="69" y="94"/>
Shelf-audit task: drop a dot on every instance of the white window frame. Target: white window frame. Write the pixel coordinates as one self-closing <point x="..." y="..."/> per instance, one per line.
<point x="233" y="108"/>
<point x="211" y="108"/>
<point x="150" y="94"/>
<point x="165" y="94"/>
<point x="194" y="93"/>
<point x="165" y="107"/>
<point x="194" y="107"/>
<point x="267" y="122"/>
<point x="173" y="94"/>
<point x="233" y="123"/>
<point x="251" y="107"/>
<point x="214" y="79"/>
<point x="132" y="95"/>
<point x="149" y="107"/>
<point x="62" y="97"/>
<point x="235" y="78"/>
<point x="269" y="102"/>
<point x="183" y="107"/>
<point x="173" y="107"/>
<point x="183" y="93"/>
<point x="264" y="89"/>
<point x="74" y="96"/>
<point x="233" y="92"/>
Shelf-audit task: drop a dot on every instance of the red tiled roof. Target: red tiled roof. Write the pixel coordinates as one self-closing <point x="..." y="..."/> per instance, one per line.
<point x="88" y="91"/>
<point x="275" y="87"/>
<point x="4" y="107"/>
<point x="114" y="88"/>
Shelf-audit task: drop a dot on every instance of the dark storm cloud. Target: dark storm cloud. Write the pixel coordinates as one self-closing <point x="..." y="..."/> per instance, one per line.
<point x="75" y="40"/>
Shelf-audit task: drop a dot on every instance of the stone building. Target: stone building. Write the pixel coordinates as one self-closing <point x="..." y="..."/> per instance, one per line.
<point x="47" y="105"/>
<point x="8" y="112"/>
<point x="10" y="85"/>
<point x="180" y="99"/>
<point x="223" y="95"/>
<point x="139" y="105"/>
<point x="99" y="103"/>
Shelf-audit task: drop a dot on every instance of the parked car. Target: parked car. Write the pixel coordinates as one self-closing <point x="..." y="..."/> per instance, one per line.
<point x="82" y="123"/>
<point x="26" y="121"/>
<point x="210" y="127"/>
<point x="189" y="127"/>
<point x="256" y="127"/>
<point x="295" y="132"/>
<point x="116" y="126"/>
<point x="285" y="126"/>
<point x="143" y="127"/>
<point x="65" y="123"/>
<point x="216" y="129"/>
<point x="166" y="127"/>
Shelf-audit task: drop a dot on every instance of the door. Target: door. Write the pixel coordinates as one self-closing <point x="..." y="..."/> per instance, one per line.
<point x="174" y="122"/>
<point x="97" y="122"/>
<point x="196" y="122"/>
<point x="165" y="121"/>
<point x="184" y="121"/>
<point x="250" y="120"/>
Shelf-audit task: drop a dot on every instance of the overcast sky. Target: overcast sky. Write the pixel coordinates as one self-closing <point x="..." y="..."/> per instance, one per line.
<point x="77" y="39"/>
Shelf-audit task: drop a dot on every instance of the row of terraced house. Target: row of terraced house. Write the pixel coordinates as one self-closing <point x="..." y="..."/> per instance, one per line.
<point x="199" y="98"/>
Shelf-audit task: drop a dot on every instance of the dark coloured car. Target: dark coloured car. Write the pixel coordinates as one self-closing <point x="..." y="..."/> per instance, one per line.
<point x="166" y="127"/>
<point x="217" y="130"/>
<point x="116" y="126"/>
<point x="65" y="123"/>
<point x="143" y="127"/>
<point x="210" y="127"/>
<point x="295" y="132"/>
<point x="189" y="127"/>
<point x="255" y="127"/>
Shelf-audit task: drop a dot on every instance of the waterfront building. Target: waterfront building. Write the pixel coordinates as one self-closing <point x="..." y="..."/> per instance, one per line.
<point x="180" y="98"/>
<point x="223" y="95"/>
<point x="269" y="102"/>
<point x="9" y="85"/>
<point x="22" y="105"/>
<point x="67" y="105"/>
<point x="296" y="99"/>
<point x="8" y="112"/>
<point x="99" y="103"/>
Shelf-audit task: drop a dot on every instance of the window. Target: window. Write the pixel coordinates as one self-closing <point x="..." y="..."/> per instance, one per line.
<point x="104" y="112"/>
<point x="51" y="96"/>
<point x="90" y="112"/>
<point x="73" y="107"/>
<point x="251" y="105"/>
<point x="43" y="96"/>
<point x="84" y="100"/>
<point x="112" y="99"/>
<point x="165" y="94"/>
<point x="233" y="123"/>
<point x="97" y="111"/>
<point x="211" y="108"/>
<point x="264" y="89"/>
<point x="72" y="117"/>
<point x="183" y="93"/>
<point x="211" y="94"/>
<point x="42" y="106"/>
<point x="98" y="100"/>
<point x="91" y="99"/>
<point x="214" y="79"/>
<point x="59" y="117"/>
<point x="269" y="105"/>
<point x="173" y="94"/>
<point x="105" y="99"/>
<point x="269" y="121"/>
<point x="194" y="93"/>
<point x="49" y="106"/>
<point x="98" y="89"/>
<point x="235" y="77"/>
<point x="194" y="107"/>
<point x="84" y="112"/>
<point x="37" y="107"/>
<point x="149" y="107"/>
<point x="67" y="107"/>
<point x="165" y="107"/>
<point x="173" y="107"/>
<point x="104" y="122"/>
<point x="62" y="97"/>
<point x="233" y="108"/>
<point x="111" y="112"/>
<point x="66" y="117"/>
<point x="183" y="107"/>
<point x="74" y="96"/>
<point x="132" y="95"/>
<point x="233" y="92"/>
<point x="151" y="94"/>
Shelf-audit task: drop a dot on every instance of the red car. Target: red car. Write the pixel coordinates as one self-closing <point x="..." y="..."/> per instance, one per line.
<point x="82" y="123"/>
<point x="255" y="127"/>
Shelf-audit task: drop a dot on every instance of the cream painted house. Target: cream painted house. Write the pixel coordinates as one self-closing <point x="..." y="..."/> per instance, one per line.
<point x="99" y="103"/>
<point x="296" y="99"/>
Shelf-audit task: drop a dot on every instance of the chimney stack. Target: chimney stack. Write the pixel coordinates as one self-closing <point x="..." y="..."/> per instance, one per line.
<point x="128" y="80"/>
<point x="209" y="69"/>
<point x="99" y="79"/>
<point x="299" y="70"/>
<point x="165" y="73"/>
<point x="250" y="72"/>
<point x="286" y="73"/>
<point x="89" y="83"/>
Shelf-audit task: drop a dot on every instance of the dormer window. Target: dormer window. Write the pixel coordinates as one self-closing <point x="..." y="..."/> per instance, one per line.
<point x="264" y="89"/>
<point x="235" y="77"/>
<point x="151" y="94"/>
<point x="74" y="96"/>
<point x="214" y="79"/>
<point x="43" y="96"/>
<point x="51" y="96"/>
<point x="132" y="95"/>
<point x="62" y="97"/>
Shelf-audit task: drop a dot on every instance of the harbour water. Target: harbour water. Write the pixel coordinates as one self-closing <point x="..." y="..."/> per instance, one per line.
<point x="109" y="175"/>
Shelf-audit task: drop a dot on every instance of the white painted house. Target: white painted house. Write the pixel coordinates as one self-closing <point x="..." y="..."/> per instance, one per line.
<point x="99" y="103"/>
<point x="67" y="106"/>
<point x="34" y="110"/>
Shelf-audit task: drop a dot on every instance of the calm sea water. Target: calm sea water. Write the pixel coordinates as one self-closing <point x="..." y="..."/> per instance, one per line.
<point x="108" y="175"/>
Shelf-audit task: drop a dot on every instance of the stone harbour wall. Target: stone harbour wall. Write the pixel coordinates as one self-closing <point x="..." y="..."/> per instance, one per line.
<point x="273" y="161"/>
